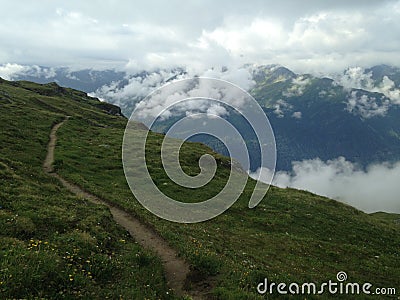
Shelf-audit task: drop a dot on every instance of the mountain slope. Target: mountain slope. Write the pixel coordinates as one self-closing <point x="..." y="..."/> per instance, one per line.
<point x="85" y="80"/>
<point x="292" y="236"/>
<point x="52" y="244"/>
<point x="316" y="117"/>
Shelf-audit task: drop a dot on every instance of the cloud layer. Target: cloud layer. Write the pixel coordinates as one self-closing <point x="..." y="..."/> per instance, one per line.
<point x="314" y="36"/>
<point x="139" y="86"/>
<point x="358" y="78"/>
<point x="374" y="189"/>
<point x="367" y="106"/>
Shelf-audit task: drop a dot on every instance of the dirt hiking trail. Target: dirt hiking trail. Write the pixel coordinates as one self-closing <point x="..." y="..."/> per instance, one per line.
<point x="176" y="269"/>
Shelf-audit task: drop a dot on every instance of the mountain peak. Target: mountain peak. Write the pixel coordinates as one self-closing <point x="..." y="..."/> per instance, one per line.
<point x="272" y="73"/>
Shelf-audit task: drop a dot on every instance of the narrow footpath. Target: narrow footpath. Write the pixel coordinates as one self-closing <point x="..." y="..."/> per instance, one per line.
<point x="176" y="269"/>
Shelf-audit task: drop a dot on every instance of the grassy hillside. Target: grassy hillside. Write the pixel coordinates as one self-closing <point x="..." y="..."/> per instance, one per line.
<point x="52" y="244"/>
<point x="292" y="236"/>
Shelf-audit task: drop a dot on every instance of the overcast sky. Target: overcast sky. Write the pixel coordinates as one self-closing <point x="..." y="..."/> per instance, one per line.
<point x="303" y="35"/>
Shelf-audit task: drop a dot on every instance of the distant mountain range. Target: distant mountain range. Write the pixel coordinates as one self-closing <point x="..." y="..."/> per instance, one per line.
<point x="320" y="117"/>
<point x="84" y="80"/>
<point x="355" y="114"/>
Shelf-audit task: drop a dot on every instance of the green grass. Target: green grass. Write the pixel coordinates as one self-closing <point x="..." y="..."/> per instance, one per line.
<point x="292" y="236"/>
<point x="52" y="244"/>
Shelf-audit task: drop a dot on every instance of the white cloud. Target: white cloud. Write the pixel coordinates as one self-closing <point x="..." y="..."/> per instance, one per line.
<point x="8" y="70"/>
<point x="258" y="35"/>
<point x="299" y="85"/>
<point x="280" y="107"/>
<point x="388" y="88"/>
<point x="367" y="106"/>
<point x="375" y="189"/>
<point x="11" y="71"/>
<point x="136" y="89"/>
<point x="311" y="36"/>
<point x="361" y="104"/>
<point x="358" y="78"/>
<point x="238" y="75"/>
<point x="216" y="110"/>
<point x="297" y="115"/>
<point x="139" y="86"/>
